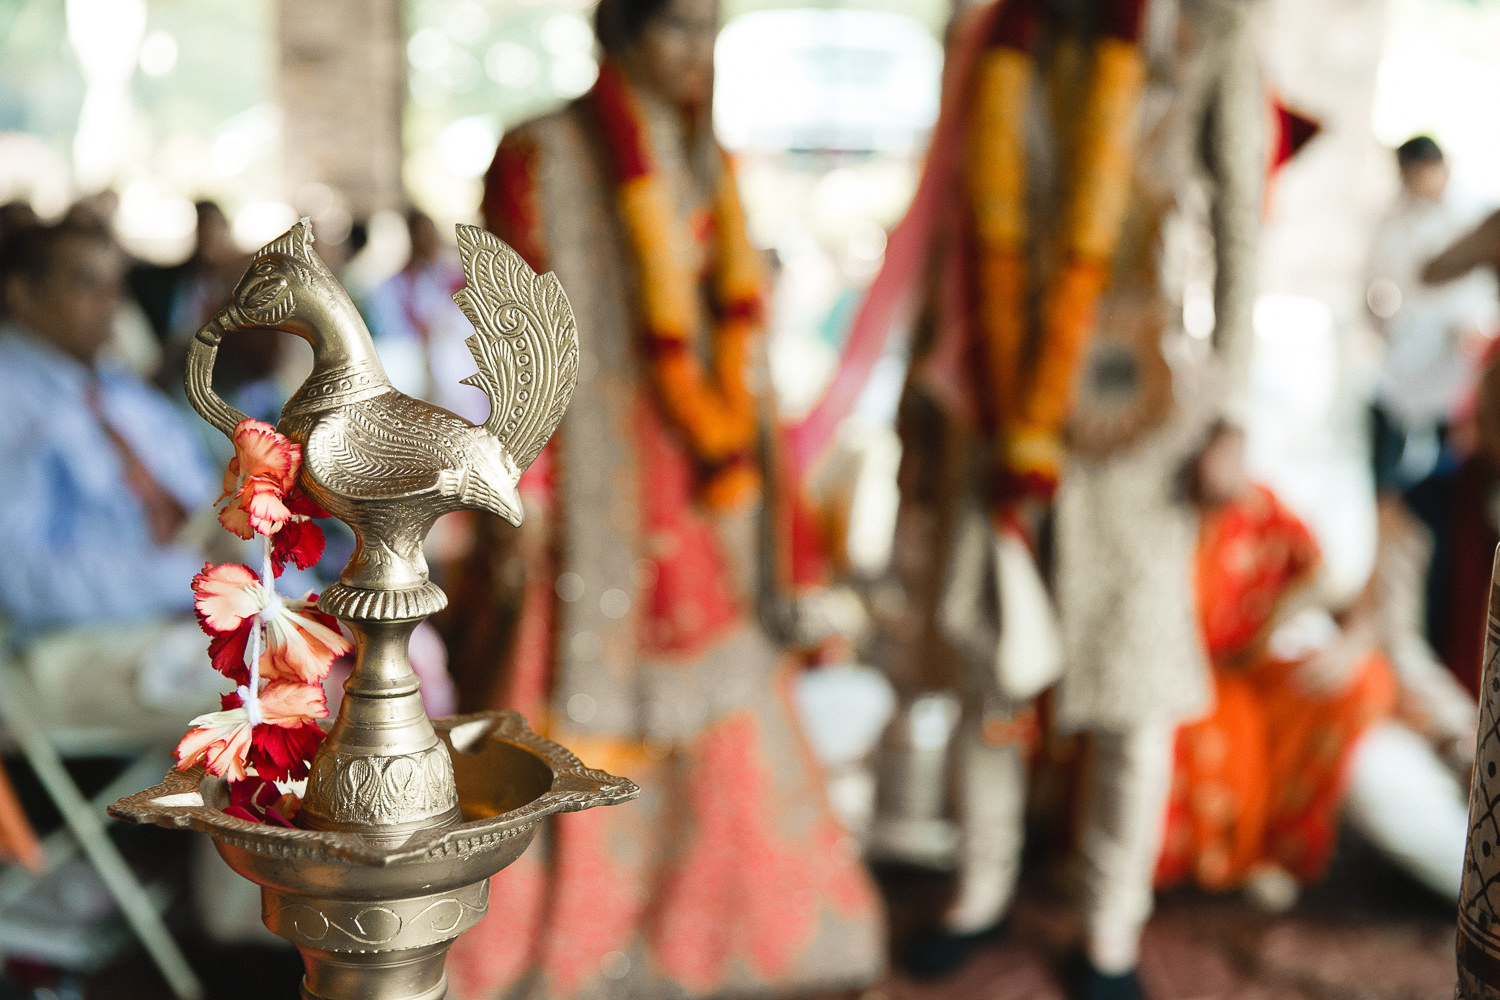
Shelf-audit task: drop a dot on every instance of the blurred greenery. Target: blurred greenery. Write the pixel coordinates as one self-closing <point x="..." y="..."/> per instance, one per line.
<point x="40" y="86"/>
<point x="219" y="68"/>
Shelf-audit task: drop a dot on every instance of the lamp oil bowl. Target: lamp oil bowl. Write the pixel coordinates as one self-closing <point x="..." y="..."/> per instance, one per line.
<point x="403" y="820"/>
<point x="374" y="920"/>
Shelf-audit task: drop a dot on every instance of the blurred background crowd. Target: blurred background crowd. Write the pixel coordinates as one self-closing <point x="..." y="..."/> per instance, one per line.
<point x="1073" y="483"/>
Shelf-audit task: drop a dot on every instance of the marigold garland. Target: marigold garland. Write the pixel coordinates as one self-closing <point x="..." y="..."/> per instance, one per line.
<point x="1031" y="396"/>
<point x="713" y="409"/>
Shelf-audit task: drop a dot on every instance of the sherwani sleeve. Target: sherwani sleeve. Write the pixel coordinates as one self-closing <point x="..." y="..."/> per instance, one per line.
<point x="1235" y="152"/>
<point x="1474" y="249"/>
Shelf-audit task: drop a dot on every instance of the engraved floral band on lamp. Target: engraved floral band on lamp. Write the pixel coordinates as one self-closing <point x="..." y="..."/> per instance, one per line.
<point x="403" y="820"/>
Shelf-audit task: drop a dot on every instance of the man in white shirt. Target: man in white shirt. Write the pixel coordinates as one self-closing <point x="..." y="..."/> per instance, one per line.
<point x="1430" y="331"/>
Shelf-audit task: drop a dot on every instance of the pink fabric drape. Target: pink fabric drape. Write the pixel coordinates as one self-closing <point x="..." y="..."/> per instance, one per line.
<point x="889" y="305"/>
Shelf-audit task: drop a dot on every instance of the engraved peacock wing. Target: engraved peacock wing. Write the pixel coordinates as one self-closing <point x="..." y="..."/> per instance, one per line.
<point x="390" y="449"/>
<point x="525" y="343"/>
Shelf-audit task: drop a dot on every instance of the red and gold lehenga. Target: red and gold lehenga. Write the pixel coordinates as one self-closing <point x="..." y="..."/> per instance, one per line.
<point x="638" y="643"/>
<point x="1261" y="780"/>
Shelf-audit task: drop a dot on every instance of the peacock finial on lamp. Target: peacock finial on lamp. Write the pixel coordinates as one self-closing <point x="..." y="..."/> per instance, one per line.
<point x="403" y="821"/>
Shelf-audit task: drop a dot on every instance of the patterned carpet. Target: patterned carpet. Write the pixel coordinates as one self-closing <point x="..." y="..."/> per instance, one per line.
<point x="1379" y="941"/>
<point x="1366" y="933"/>
<point x="1200" y="948"/>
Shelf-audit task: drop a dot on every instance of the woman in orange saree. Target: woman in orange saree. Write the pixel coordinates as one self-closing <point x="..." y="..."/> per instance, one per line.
<point x="1259" y="784"/>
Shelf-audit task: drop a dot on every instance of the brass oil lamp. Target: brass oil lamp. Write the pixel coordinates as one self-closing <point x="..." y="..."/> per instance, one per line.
<point x="405" y="819"/>
<point x="1479" y="894"/>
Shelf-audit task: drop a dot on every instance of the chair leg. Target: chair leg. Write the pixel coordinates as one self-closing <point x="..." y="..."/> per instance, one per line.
<point x="87" y="826"/>
<point x="60" y="846"/>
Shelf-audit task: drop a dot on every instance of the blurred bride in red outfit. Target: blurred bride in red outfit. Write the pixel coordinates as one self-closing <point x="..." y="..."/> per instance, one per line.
<point x="637" y="640"/>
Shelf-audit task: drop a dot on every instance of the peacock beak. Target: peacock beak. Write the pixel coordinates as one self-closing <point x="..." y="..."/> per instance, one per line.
<point x="510" y="501"/>
<point x="226" y="320"/>
<point x="490" y="484"/>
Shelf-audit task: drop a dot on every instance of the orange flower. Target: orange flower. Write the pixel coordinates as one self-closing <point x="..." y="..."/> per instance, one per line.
<point x="222" y="740"/>
<point x="301" y="642"/>
<point x="226" y="596"/>
<point x="290" y="704"/>
<point x="263" y="470"/>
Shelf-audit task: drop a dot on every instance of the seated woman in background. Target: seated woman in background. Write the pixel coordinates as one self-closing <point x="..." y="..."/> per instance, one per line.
<point x="1315" y="719"/>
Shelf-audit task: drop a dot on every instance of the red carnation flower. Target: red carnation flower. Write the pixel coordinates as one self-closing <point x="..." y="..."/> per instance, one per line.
<point x="284" y="753"/>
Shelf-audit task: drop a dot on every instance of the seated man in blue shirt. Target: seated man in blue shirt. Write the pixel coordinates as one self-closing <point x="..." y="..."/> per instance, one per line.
<point x="99" y="475"/>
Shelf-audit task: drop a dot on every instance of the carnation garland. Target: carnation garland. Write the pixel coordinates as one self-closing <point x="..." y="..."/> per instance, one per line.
<point x="714" y="410"/>
<point x="276" y="650"/>
<point x="1031" y="396"/>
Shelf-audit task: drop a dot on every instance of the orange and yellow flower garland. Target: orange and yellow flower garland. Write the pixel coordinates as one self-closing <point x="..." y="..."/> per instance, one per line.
<point x="713" y="409"/>
<point x="1032" y="395"/>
